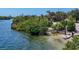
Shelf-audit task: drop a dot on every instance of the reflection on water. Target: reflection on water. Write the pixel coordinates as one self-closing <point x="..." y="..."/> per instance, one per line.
<point x="13" y="40"/>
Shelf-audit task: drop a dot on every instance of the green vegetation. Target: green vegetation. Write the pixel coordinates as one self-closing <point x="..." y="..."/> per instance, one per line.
<point x="5" y="17"/>
<point x="38" y="25"/>
<point x="73" y="45"/>
<point x="74" y="14"/>
<point x="71" y="25"/>
<point x="58" y="26"/>
<point x="58" y="21"/>
<point x="34" y="25"/>
<point x="56" y="16"/>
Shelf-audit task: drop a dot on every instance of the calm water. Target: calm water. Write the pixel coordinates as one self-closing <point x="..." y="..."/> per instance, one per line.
<point x="10" y="39"/>
<point x="13" y="40"/>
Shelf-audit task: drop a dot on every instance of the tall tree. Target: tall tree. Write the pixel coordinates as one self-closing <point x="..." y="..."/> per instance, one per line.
<point x="56" y="16"/>
<point x="75" y="14"/>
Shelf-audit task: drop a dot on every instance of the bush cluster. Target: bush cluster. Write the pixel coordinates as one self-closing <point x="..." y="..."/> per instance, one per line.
<point x="33" y="25"/>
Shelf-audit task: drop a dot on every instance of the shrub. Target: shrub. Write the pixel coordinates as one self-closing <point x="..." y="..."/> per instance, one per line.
<point x="58" y="26"/>
<point x="32" y="25"/>
<point x="72" y="45"/>
<point x="71" y="24"/>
